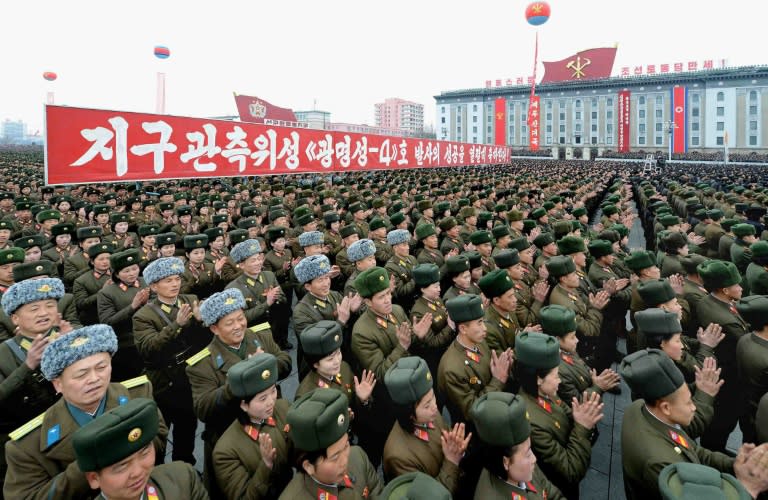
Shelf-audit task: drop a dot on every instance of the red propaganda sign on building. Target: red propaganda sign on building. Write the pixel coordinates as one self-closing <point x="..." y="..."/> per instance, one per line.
<point x="500" y="123"/>
<point x="90" y="145"/>
<point x="623" y="125"/>
<point x="679" y="113"/>
<point x="533" y="123"/>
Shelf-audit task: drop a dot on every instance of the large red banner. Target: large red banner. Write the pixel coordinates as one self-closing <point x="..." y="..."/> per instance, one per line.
<point x="679" y="95"/>
<point x="585" y="65"/>
<point x="623" y="122"/>
<point x="533" y="123"/>
<point x="501" y="121"/>
<point x="91" y="145"/>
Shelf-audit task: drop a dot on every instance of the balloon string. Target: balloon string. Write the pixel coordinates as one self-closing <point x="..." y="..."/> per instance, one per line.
<point x="535" y="63"/>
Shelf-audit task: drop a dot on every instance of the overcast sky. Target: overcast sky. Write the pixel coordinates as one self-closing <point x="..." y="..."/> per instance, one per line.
<point x="347" y="55"/>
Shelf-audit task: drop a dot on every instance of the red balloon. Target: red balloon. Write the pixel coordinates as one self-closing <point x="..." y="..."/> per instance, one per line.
<point x="50" y="76"/>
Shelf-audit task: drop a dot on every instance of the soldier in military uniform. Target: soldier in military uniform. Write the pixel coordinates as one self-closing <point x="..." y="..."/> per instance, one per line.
<point x="61" y="239"/>
<point x="752" y="360"/>
<point x="529" y="300"/>
<point x="41" y="460"/>
<point x="216" y="245"/>
<point x="741" y="255"/>
<point x="420" y="439"/>
<point x="263" y="295"/>
<point x="77" y="263"/>
<point x="9" y="259"/>
<point x="200" y="278"/>
<point x="120" y="237"/>
<point x="469" y="368"/>
<point x="545" y="242"/>
<point x="350" y="235"/>
<point x="279" y="260"/>
<point x="361" y="253"/>
<point x="318" y="424"/>
<point x="510" y="470"/>
<point x="482" y="240"/>
<point x="458" y="277"/>
<point x="116" y="449"/>
<point x="451" y="242"/>
<point x="167" y="331"/>
<point x="500" y="319"/>
<point x="378" y="234"/>
<point x="207" y="370"/>
<point x="148" y="249"/>
<point x="185" y="225"/>
<point x="756" y="275"/>
<point x="561" y="436"/>
<point x="252" y="459"/>
<point x="88" y="285"/>
<point x="116" y="303"/>
<point x="400" y="266"/>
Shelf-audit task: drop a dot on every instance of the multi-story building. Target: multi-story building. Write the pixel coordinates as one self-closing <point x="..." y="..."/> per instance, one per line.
<point x="13" y="132"/>
<point x="399" y="114"/>
<point x="721" y="107"/>
<point x="315" y="119"/>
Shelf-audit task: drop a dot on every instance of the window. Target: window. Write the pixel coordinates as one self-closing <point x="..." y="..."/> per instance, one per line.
<point x="442" y="119"/>
<point x="458" y="119"/>
<point x="641" y="113"/>
<point x="753" y="125"/>
<point x="562" y="117"/>
<point x="609" y="115"/>
<point x="659" y="127"/>
<point x="562" y="140"/>
<point x="549" y="104"/>
<point x="641" y="141"/>
<point x="549" y="128"/>
<point x="720" y="97"/>
<point x="458" y="130"/>
<point x="720" y="126"/>
<point x="659" y="114"/>
<point x="594" y="127"/>
<point x="562" y="128"/>
<point x="578" y="115"/>
<point x="474" y="140"/>
<point x="753" y="96"/>
<point x="578" y="127"/>
<point x="609" y="102"/>
<point x="641" y="100"/>
<point x="720" y="140"/>
<point x="695" y="112"/>
<point x="474" y="107"/>
<point x="753" y="140"/>
<point x="641" y="128"/>
<point x="578" y="103"/>
<point x="694" y="141"/>
<point x="695" y="98"/>
<point x="594" y="140"/>
<point x="609" y="140"/>
<point x="489" y="130"/>
<point x="549" y="140"/>
<point x="549" y="116"/>
<point x="658" y="140"/>
<point x="720" y="111"/>
<point x="694" y="126"/>
<point x="594" y="115"/>
<point x="659" y="101"/>
<point x="609" y="128"/>
<point x="753" y="110"/>
<point x="442" y="109"/>
<point x="474" y="130"/>
<point x="474" y="119"/>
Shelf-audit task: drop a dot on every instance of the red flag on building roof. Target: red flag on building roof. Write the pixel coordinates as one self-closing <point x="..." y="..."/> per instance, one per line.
<point x="585" y="65"/>
<point x="256" y="110"/>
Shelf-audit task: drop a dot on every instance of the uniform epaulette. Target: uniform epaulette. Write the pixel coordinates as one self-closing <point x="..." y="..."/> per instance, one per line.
<point x="27" y="428"/>
<point x="134" y="382"/>
<point x="197" y="357"/>
<point x="260" y="327"/>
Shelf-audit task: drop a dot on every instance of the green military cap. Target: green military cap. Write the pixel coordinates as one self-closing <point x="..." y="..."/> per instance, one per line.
<point x="148" y="202"/>
<point x="520" y="243"/>
<point x="213" y="233"/>
<point x="372" y="281"/>
<point x="684" y="480"/>
<point x="118" y="217"/>
<point x="63" y="228"/>
<point x="192" y="241"/>
<point x="248" y="222"/>
<point x="562" y="228"/>
<point x="600" y="248"/>
<point x="715" y="214"/>
<point x="464" y="308"/>
<point x="348" y="231"/>
<point x="322" y="338"/>
<point x="116" y="435"/>
<point x="305" y="219"/>
<point x="474" y="258"/>
<point x="376" y="223"/>
<point x="83" y="233"/>
<point x="249" y="211"/>
<point x="448" y="223"/>
<point x="578" y="212"/>
<point x="397" y="218"/>
<point x="483" y="218"/>
<point x="655" y="292"/>
<point x="514" y="215"/>
<point x="37" y="208"/>
<point x="318" y="419"/>
<point x="480" y="237"/>
<point x="456" y="264"/>
<point x="741" y="230"/>
<point x="499" y="208"/>
<point x="330" y="217"/>
<point x="501" y="419"/>
<point x="544" y="239"/>
<point x="537" y="213"/>
<point x="610" y="209"/>
<point x="560" y="265"/>
<point x="45" y="215"/>
<point x="655" y="322"/>
<point x="464" y="203"/>
<point x="673" y="240"/>
<point x="415" y="486"/>
<point x="356" y="207"/>
<point x="28" y="270"/>
<point x="639" y="260"/>
<point x="165" y="239"/>
<point x="126" y="258"/>
<point x="252" y="376"/>
<point x="11" y="255"/>
<point x="424" y="205"/>
<point x="557" y="320"/>
<point x="496" y="283"/>
<point x="148" y="229"/>
<point x="754" y="310"/>
<point x="101" y="209"/>
<point x="700" y="213"/>
<point x="759" y="251"/>
<point x="166" y="205"/>
<point x="237" y="236"/>
<point x="691" y="262"/>
<point x="425" y="230"/>
<point x="275" y="232"/>
<point x="7" y="225"/>
<point x="669" y="220"/>
<point x="33" y="240"/>
<point x="571" y="244"/>
<point x="442" y="207"/>
<point x="507" y="258"/>
<point x="651" y="374"/>
<point x="547" y="205"/>
<point x="23" y="205"/>
<point x="537" y="350"/>
<point x="408" y="380"/>
<point x="727" y="224"/>
<point x="718" y="274"/>
<point x="500" y="231"/>
<point x="426" y="274"/>
<point x="5" y="195"/>
<point x="100" y="248"/>
<point x="218" y="219"/>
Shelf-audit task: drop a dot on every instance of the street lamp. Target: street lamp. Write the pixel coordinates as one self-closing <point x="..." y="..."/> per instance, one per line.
<point x="670" y="126"/>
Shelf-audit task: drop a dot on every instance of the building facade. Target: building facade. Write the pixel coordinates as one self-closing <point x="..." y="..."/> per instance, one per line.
<point x="320" y="120"/>
<point x="720" y="106"/>
<point x="13" y="132"/>
<point x="399" y="114"/>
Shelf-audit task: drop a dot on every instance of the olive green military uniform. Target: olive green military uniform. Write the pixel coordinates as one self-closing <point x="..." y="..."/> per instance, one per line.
<point x="432" y="347"/>
<point x="85" y="290"/>
<point x="230" y="271"/>
<point x="455" y="291"/>
<point x="172" y="481"/>
<point x="490" y="487"/>
<point x="420" y="451"/>
<point x="65" y="306"/>
<point x="713" y="233"/>
<point x="670" y="265"/>
<point x="588" y="319"/>
<point x="383" y="253"/>
<point x="427" y="256"/>
<point x="724" y="246"/>
<point x="752" y="361"/>
<point x="58" y="256"/>
<point x="648" y="445"/>
<point x="449" y="244"/>
<point x="342" y="260"/>
<point x="41" y="460"/>
<point x="343" y="382"/>
<point x="75" y="266"/>
<point x="741" y="255"/>
<point x="693" y="293"/>
<point x="240" y="470"/>
<point x="361" y="481"/>
<point x="308" y="311"/>
<point x="757" y="279"/>
<point x="528" y="308"/>
<point x="119" y="241"/>
<point x="530" y="274"/>
<point x="563" y="448"/>
<point x="501" y="330"/>
<point x="405" y="287"/>
<point x="335" y="242"/>
<point x="114" y="305"/>
<point x="201" y="281"/>
<point x="253" y="288"/>
<point x="575" y="378"/>
<point x="463" y="376"/>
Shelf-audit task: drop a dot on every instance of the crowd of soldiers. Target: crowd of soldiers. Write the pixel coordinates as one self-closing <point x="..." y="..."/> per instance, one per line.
<point x="454" y="329"/>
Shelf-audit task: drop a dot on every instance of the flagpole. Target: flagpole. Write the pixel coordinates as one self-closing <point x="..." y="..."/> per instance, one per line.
<point x="160" y="98"/>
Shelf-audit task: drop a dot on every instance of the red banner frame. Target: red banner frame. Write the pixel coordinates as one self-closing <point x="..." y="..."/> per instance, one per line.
<point x="679" y="114"/>
<point x="91" y="145"/>
<point x="500" y="128"/>
<point x="622" y="128"/>
<point x="534" y="115"/>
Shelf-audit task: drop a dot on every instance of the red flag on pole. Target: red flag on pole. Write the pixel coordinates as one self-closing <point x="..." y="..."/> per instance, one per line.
<point x="585" y="65"/>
